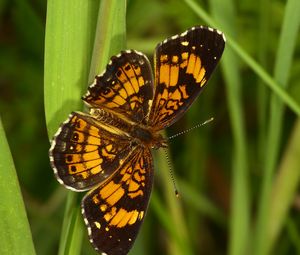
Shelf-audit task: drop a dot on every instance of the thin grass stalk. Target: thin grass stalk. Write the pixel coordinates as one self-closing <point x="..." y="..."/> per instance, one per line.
<point x="283" y="63"/>
<point x="268" y="80"/>
<point x="284" y="188"/>
<point x="110" y="34"/>
<point x="262" y="92"/>
<point x="293" y="233"/>
<point x="224" y="11"/>
<point x="181" y="244"/>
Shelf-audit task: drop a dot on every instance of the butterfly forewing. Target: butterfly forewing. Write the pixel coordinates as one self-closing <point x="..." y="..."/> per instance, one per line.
<point x="114" y="211"/>
<point x="183" y="65"/>
<point x="125" y="87"/>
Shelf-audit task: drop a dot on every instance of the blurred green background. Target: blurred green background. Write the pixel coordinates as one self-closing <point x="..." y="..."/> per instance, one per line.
<point x="233" y="201"/>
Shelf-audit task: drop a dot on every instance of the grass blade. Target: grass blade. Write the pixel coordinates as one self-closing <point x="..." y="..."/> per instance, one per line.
<point x="70" y="35"/>
<point x="223" y="11"/>
<point x="262" y="92"/>
<point x="70" y="29"/>
<point x="68" y="47"/>
<point x="285" y="186"/>
<point x="110" y="34"/>
<point x="72" y="230"/>
<point x="200" y="203"/>
<point x="268" y="80"/>
<point x="283" y="63"/>
<point x="178" y="241"/>
<point x="15" y="232"/>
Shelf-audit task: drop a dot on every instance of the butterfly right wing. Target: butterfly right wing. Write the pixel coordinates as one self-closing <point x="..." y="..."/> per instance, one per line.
<point x="85" y="152"/>
<point x="183" y="65"/>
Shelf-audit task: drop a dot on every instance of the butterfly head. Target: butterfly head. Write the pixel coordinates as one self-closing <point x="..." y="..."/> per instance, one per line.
<point x="158" y="142"/>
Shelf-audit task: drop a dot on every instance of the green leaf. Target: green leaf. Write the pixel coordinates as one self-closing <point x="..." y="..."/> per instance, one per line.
<point x="15" y="232"/>
<point x="70" y="33"/>
<point x="76" y="49"/>
<point x="286" y="48"/>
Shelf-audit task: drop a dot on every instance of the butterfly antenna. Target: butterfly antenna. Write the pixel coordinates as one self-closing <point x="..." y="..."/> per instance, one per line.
<point x="190" y="129"/>
<point x="171" y="173"/>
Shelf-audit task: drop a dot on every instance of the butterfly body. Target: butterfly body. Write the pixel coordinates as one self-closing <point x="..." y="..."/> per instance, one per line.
<point x="108" y="150"/>
<point x="137" y="133"/>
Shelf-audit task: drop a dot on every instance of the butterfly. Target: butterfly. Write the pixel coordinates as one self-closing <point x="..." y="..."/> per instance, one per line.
<point x="108" y="150"/>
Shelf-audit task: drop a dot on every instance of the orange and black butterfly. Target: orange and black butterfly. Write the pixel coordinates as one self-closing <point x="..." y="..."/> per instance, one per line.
<point x="108" y="150"/>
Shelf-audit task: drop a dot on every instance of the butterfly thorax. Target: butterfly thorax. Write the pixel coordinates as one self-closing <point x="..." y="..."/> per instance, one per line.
<point x="147" y="137"/>
<point x="138" y="133"/>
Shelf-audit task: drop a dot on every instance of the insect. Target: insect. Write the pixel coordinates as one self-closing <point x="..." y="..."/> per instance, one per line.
<point x="108" y="150"/>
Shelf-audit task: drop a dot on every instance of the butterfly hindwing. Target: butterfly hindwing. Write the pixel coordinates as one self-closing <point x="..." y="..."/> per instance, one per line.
<point x="125" y="87"/>
<point x="84" y="154"/>
<point x="183" y="64"/>
<point x="114" y="211"/>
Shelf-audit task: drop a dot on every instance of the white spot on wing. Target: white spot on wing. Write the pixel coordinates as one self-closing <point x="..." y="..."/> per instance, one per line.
<point x="184" y="33"/>
<point x="174" y="37"/>
<point x="224" y="38"/>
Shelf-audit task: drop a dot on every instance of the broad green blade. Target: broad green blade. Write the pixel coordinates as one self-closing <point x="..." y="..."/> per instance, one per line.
<point x="75" y="32"/>
<point x="15" y="235"/>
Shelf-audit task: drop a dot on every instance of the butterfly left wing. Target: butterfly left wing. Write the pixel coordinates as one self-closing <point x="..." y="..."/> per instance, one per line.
<point x="124" y="88"/>
<point x="183" y="65"/>
<point x="85" y="151"/>
<point x="114" y="211"/>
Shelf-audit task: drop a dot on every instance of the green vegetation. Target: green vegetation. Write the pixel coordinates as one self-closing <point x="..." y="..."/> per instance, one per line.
<point x="238" y="177"/>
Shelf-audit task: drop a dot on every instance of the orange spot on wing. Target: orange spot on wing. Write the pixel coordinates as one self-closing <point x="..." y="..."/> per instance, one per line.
<point x="134" y="217"/>
<point x="136" y="194"/>
<point x="191" y="64"/>
<point x="118" y="217"/>
<point x="201" y="76"/>
<point x="182" y="88"/>
<point x="133" y="186"/>
<point x="93" y="140"/>
<point x="174" y="75"/>
<point x="119" y="100"/>
<point x="108" y="189"/>
<point x="124" y="220"/>
<point x="164" y="74"/>
<point x="116" y="196"/>
<point x="129" y="89"/>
